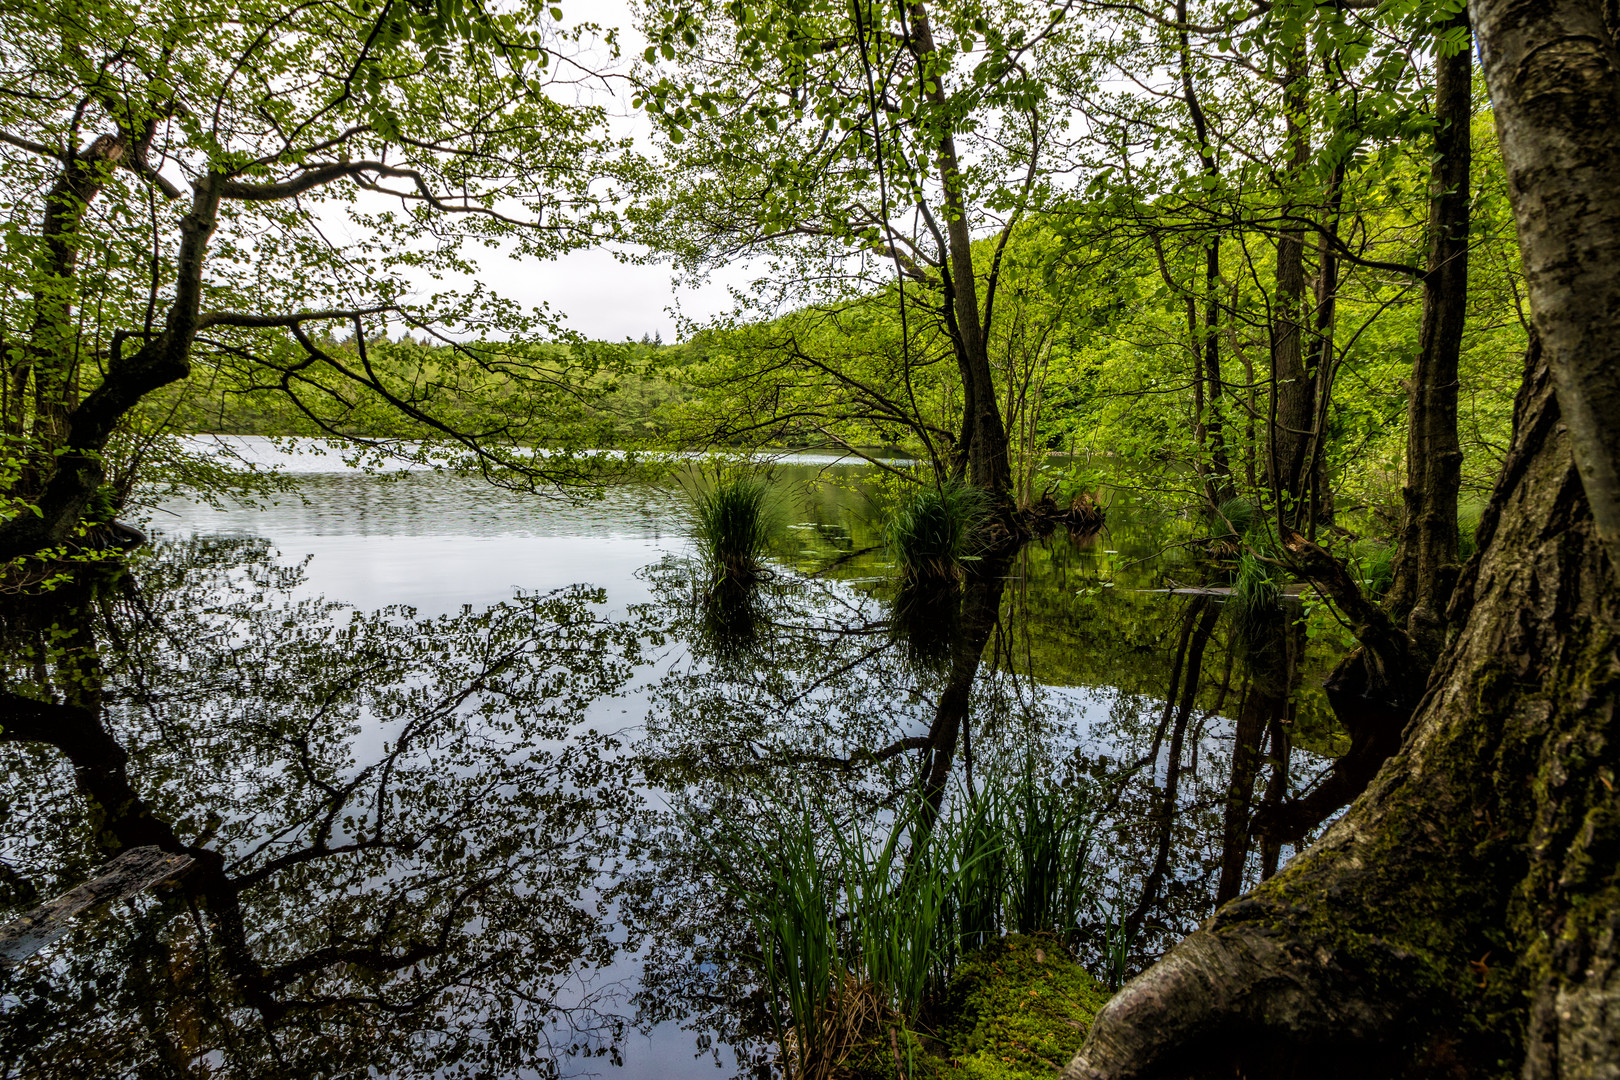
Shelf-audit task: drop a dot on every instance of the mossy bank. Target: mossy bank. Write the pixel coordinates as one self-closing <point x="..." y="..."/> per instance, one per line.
<point x="1018" y="1008"/>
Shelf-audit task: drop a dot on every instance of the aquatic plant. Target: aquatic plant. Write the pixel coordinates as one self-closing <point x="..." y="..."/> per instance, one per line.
<point x="1049" y="833"/>
<point x="932" y="530"/>
<point x="1117" y="947"/>
<point x="732" y="523"/>
<point x="1238" y="515"/>
<point x="1255" y="605"/>
<point x="847" y="919"/>
<point x="1031" y="873"/>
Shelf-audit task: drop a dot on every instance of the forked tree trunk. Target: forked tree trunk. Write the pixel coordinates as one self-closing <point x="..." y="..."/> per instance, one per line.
<point x="985" y="434"/>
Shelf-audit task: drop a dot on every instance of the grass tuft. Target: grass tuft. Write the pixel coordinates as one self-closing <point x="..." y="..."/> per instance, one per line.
<point x="1255" y="606"/>
<point x="1236" y="514"/>
<point x="861" y="924"/>
<point x="932" y="531"/>
<point x="733" y="523"/>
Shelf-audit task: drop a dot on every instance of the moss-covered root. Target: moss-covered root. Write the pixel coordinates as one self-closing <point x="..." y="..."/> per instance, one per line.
<point x="1018" y="1008"/>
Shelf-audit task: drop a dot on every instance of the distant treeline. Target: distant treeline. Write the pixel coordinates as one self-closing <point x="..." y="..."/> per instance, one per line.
<point x="602" y="394"/>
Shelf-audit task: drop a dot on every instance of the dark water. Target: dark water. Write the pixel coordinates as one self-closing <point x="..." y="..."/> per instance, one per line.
<point x="447" y="751"/>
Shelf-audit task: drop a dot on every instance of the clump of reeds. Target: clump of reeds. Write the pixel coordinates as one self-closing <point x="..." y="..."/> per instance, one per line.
<point x="933" y="530"/>
<point x="847" y="924"/>
<point x="1372" y="562"/>
<point x="860" y="923"/>
<point x="1237" y="515"/>
<point x="1230" y="524"/>
<point x="1030" y="870"/>
<point x="733" y="522"/>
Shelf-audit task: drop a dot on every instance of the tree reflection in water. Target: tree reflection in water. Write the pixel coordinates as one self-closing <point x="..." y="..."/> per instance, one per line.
<point x="1134" y="706"/>
<point x="397" y="824"/>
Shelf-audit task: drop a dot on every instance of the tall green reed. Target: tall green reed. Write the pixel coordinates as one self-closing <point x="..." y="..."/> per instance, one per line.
<point x="933" y="530"/>
<point x="861" y="922"/>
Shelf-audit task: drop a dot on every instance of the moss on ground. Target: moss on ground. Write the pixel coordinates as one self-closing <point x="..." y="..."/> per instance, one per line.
<point x="1016" y="1009"/>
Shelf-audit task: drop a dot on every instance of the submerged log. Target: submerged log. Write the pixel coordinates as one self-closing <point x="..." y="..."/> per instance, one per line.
<point x="132" y="872"/>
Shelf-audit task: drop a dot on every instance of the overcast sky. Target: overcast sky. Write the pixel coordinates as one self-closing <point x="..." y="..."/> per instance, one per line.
<point x="600" y="296"/>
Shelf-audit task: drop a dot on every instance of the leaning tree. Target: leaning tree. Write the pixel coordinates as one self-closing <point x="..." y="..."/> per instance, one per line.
<point x="276" y="191"/>
<point x="1463" y="917"/>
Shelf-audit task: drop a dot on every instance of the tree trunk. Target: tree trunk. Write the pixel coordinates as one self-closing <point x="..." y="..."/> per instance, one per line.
<point x="1268" y="706"/>
<point x="988" y="466"/>
<point x="78" y="471"/>
<point x="1293" y="403"/>
<point x="1426" y="564"/>
<point x="1214" y="425"/>
<point x="1321" y="365"/>
<point x="1463" y="918"/>
<point x="1553" y="70"/>
<point x="1207" y="351"/>
<point x="1251" y="726"/>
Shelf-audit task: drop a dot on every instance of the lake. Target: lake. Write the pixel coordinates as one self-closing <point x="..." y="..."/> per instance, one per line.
<point x="460" y="765"/>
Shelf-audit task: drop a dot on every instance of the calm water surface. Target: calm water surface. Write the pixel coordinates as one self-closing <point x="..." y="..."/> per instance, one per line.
<point x="450" y="751"/>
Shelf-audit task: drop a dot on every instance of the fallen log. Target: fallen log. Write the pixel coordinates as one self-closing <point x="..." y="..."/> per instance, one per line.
<point x="132" y="872"/>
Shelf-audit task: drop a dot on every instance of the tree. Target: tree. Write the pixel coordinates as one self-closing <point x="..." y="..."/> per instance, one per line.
<point x="234" y="185"/>
<point x="852" y="142"/>
<point x="1461" y="917"/>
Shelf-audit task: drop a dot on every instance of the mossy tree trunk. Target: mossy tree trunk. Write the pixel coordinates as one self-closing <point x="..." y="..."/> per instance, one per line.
<point x="1479" y="867"/>
<point x="1463" y="917"/>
